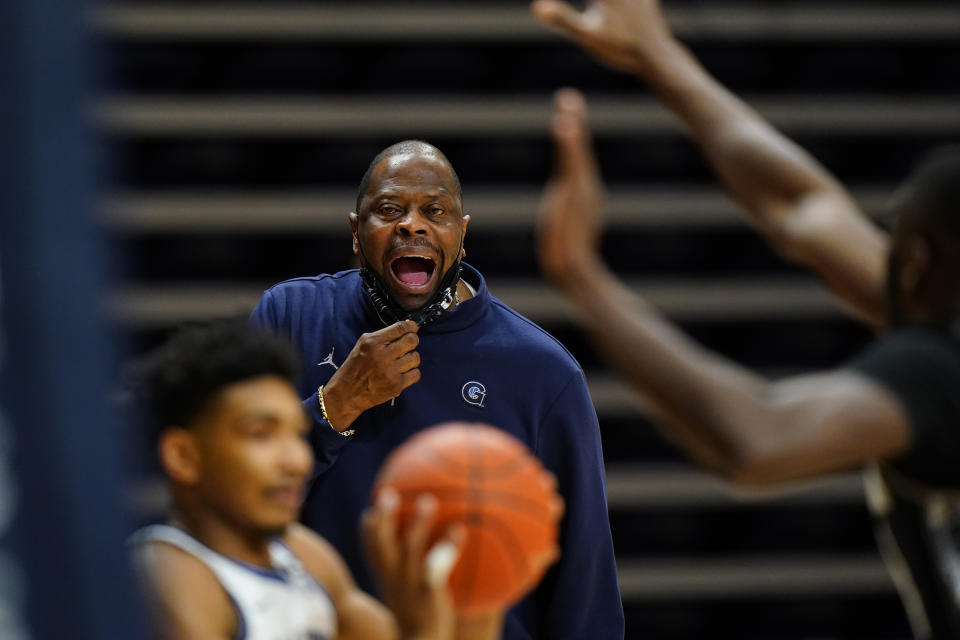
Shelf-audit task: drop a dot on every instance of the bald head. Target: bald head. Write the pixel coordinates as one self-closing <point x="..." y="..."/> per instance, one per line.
<point x="405" y="147"/>
<point x="409" y="224"/>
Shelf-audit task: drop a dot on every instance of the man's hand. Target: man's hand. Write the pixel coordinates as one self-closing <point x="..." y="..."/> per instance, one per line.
<point x="413" y="578"/>
<point x="805" y="214"/>
<point x="381" y="365"/>
<point x="570" y="219"/>
<point x="617" y="32"/>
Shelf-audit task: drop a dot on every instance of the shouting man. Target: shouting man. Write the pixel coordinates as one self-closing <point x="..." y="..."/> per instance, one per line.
<point x="414" y="338"/>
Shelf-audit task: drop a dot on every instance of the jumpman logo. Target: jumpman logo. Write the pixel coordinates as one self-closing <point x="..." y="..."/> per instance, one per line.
<point x="329" y="360"/>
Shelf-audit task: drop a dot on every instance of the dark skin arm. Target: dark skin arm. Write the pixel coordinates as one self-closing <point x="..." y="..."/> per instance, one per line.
<point x="724" y="416"/>
<point x="380" y="366"/>
<point x="359" y="615"/>
<point x="791" y="199"/>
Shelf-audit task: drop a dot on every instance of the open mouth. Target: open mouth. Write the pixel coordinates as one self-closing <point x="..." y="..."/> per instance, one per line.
<point x="413" y="271"/>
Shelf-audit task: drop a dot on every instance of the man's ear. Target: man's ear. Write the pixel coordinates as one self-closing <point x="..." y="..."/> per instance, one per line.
<point x="354" y="221"/>
<point x="179" y="455"/>
<point x="463" y="235"/>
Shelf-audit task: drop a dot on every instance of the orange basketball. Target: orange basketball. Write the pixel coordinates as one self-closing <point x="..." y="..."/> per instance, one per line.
<point x="487" y="480"/>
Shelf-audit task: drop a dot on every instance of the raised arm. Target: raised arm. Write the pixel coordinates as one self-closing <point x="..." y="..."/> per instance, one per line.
<point x="724" y="416"/>
<point x="806" y="215"/>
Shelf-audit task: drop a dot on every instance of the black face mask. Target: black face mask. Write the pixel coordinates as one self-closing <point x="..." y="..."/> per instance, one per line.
<point x="390" y="311"/>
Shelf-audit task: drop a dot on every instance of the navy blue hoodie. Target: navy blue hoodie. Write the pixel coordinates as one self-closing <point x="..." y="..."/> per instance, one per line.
<point x="480" y="362"/>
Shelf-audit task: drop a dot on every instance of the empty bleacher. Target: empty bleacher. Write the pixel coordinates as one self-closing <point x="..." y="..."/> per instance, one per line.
<point x="235" y="133"/>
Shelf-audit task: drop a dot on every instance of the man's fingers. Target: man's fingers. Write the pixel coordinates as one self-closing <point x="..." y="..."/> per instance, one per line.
<point x="404" y="344"/>
<point x="570" y="132"/>
<point x="403" y="332"/>
<point x="559" y="15"/>
<point x="409" y="378"/>
<point x="380" y="526"/>
<point x="546" y="559"/>
<point x="416" y="541"/>
<point x="570" y="102"/>
<point x="398" y="330"/>
<point x="388" y="501"/>
<point x="370" y="524"/>
<point x="408" y="361"/>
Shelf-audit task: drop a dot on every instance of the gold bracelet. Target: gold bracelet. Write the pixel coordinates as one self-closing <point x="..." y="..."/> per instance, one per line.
<point x="323" y="412"/>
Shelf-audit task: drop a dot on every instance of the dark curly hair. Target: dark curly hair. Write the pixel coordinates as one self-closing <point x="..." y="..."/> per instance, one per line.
<point x="175" y="382"/>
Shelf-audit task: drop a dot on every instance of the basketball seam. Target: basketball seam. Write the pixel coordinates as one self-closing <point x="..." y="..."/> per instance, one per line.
<point x="494" y="498"/>
<point x="508" y="541"/>
<point x="431" y="453"/>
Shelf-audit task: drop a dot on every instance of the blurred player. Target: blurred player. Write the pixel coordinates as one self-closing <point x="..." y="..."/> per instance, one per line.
<point x="232" y="562"/>
<point x="895" y="405"/>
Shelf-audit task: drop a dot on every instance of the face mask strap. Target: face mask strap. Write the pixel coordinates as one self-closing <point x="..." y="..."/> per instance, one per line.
<point x="390" y="311"/>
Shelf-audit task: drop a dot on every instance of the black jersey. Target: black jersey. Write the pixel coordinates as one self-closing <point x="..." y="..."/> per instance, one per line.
<point x="916" y="497"/>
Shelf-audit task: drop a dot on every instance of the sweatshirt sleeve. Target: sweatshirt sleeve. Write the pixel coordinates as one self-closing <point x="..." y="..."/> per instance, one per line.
<point x="327" y="442"/>
<point x="580" y="595"/>
<point x="265" y="315"/>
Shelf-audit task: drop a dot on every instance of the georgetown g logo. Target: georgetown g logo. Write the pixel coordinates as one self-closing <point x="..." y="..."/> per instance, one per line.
<point x="474" y="393"/>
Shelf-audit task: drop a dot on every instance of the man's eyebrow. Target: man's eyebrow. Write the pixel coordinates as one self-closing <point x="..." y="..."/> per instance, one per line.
<point x="440" y="192"/>
<point x="259" y="415"/>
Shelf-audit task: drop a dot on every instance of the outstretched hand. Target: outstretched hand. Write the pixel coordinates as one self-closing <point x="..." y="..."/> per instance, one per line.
<point x="413" y="578"/>
<point x="615" y="31"/>
<point x="570" y="220"/>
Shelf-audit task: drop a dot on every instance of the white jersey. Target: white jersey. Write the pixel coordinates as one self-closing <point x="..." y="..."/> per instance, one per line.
<point x="285" y="603"/>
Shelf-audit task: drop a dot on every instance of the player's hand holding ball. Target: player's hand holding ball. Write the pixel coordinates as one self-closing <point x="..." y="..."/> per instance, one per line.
<point x="412" y="576"/>
<point x="491" y="500"/>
